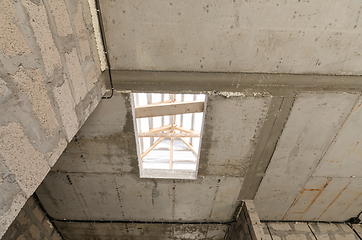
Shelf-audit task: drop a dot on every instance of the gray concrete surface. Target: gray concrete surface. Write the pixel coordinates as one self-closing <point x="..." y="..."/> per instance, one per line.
<point x="314" y="121"/>
<point x="44" y="96"/>
<point x="97" y="177"/>
<point x="234" y="36"/>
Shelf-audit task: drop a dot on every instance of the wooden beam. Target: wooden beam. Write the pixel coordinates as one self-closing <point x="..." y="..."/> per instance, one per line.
<point x="159" y="129"/>
<point x="169" y="135"/>
<point x="185" y="130"/>
<point x="152" y="147"/>
<point x="189" y="146"/>
<point x="169" y="109"/>
<point x="171" y="154"/>
<point x="150" y="120"/>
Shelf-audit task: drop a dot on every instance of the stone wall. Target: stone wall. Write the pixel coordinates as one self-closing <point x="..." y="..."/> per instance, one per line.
<point x="247" y="226"/>
<point x="31" y="223"/>
<point x="49" y="84"/>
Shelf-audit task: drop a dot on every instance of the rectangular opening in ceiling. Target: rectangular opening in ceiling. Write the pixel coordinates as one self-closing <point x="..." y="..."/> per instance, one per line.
<point x="169" y="130"/>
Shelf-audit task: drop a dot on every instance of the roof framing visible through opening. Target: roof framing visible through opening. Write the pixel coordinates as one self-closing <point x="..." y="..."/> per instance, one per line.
<point x="169" y="132"/>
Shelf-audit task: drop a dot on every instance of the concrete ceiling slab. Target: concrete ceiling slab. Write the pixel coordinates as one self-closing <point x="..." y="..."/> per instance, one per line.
<point x="334" y="198"/>
<point x="338" y="195"/>
<point x="343" y="158"/>
<point x="314" y="121"/>
<point x="234" y="36"/>
<point x="97" y="177"/>
<point x="231" y="128"/>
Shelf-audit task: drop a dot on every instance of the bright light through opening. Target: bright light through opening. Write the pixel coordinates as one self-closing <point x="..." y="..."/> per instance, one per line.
<point x="169" y="130"/>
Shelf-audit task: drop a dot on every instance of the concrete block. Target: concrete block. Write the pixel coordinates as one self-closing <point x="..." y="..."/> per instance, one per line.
<point x="280" y="226"/>
<point x="9" y="189"/>
<point x="346" y="228"/>
<point x="31" y="82"/>
<point x="95" y="55"/>
<point x="12" y="41"/>
<point x="346" y="237"/>
<point x="296" y="237"/>
<point x="30" y="203"/>
<point x="34" y="231"/>
<point x="92" y="78"/>
<point x="55" y="154"/>
<point x="63" y="97"/>
<point x="326" y="227"/>
<point x="27" y="164"/>
<point x="301" y="227"/>
<point x="86" y="12"/>
<point x="76" y="75"/>
<point x="8" y="217"/>
<point x="61" y="16"/>
<point x="48" y="226"/>
<point x="82" y="34"/>
<point x="23" y="218"/>
<point x="38" y="214"/>
<point x="39" y="23"/>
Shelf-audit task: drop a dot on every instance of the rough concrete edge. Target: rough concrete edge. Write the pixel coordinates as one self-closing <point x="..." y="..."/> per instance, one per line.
<point x="97" y="34"/>
<point x="253" y="220"/>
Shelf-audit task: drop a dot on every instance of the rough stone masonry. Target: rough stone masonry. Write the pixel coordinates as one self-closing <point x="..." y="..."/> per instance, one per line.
<point x="49" y="84"/>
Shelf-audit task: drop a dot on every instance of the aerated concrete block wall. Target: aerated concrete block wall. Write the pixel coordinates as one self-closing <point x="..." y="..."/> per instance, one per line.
<point x="308" y="231"/>
<point x="31" y="224"/>
<point x="49" y="85"/>
<point x="247" y="226"/>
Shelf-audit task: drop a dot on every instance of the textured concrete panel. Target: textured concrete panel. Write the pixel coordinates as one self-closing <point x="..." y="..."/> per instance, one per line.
<point x="230" y="131"/>
<point x="78" y="196"/>
<point x="312" y="125"/>
<point x="224" y="207"/>
<point x="343" y="158"/>
<point x="230" y="36"/>
<point x="118" y="112"/>
<point x="338" y="199"/>
<point x="100" y="168"/>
